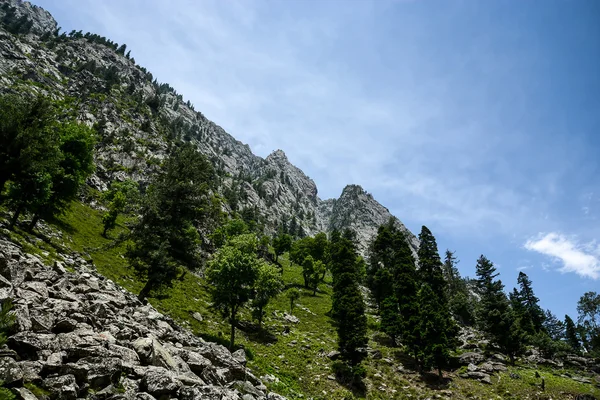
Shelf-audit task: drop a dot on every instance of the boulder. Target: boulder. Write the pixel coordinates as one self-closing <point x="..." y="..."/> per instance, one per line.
<point x="11" y="373"/>
<point x="470" y="358"/>
<point x="159" y="381"/>
<point x="62" y="387"/>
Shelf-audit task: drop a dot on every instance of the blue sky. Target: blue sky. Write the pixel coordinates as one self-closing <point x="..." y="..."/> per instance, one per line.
<point x="479" y="119"/>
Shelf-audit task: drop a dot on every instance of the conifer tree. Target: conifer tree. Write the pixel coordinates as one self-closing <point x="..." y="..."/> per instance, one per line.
<point x="495" y="317"/>
<point x="553" y="326"/>
<point x="348" y="308"/>
<point x="571" y="334"/>
<point x="533" y="314"/>
<point x="437" y="328"/>
<point x="176" y="206"/>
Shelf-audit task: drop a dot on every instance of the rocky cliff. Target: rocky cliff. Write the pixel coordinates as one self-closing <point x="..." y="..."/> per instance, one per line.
<point x="137" y="118"/>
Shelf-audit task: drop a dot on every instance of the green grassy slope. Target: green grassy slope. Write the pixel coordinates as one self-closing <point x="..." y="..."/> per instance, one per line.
<point x="298" y="359"/>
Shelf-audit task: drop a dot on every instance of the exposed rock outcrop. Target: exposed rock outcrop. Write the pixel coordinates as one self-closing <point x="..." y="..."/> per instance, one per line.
<point x="79" y="335"/>
<point x="137" y="117"/>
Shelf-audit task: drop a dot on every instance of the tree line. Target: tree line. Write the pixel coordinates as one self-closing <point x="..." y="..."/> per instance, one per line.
<point x="422" y="303"/>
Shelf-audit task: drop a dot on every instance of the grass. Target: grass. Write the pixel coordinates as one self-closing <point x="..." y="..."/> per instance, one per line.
<point x="298" y="358"/>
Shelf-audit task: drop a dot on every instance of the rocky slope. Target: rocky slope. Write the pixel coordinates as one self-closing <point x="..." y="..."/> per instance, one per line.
<point x="137" y="118"/>
<point x="79" y="335"/>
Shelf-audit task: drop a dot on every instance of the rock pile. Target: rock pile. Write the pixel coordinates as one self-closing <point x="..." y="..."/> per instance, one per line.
<point x="79" y="335"/>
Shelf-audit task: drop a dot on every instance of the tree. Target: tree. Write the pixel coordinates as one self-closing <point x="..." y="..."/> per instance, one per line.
<point x="348" y="308"/>
<point x="177" y="204"/>
<point x="29" y="151"/>
<point x="437" y="328"/>
<point x="553" y="326"/>
<point x="121" y="197"/>
<point x="588" y="308"/>
<point x="495" y="317"/>
<point x="312" y="271"/>
<point x="268" y="284"/>
<point x="459" y="297"/>
<point x="392" y="277"/>
<point x="533" y="314"/>
<point x="232" y="274"/>
<point x="75" y="166"/>
<point x="293" y="295"/>
<point x="228" y="230"/>
<point x="571" y="334"/>
<point x="281" y="243"/>
<point x="391" y="323"/>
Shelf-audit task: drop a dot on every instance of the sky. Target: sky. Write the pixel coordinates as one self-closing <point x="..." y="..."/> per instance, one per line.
<point x="478" y="119"/>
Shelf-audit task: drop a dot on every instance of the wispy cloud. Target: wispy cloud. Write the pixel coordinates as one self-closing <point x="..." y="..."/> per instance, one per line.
<point x="580" y="258"/>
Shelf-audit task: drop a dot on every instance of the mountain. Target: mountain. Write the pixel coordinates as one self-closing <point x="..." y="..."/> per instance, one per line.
<point x="137" y="119"/>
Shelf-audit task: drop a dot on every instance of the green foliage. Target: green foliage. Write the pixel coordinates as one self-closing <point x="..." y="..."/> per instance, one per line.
<point x="436" y="327"/>
<point x="268" y="284"/>
<point x="460" y="299"/>
<point x="76" y="164"/>
<point x="175" y="207"/>
<point x="571" y="334"/>
<point x="548" y="346"/>
<point x="44" y="161"/>
<point x="312" y="271"/>
<point x="281" y="243"/>
<point x="588" y="308"/>
<point x="348" y="308"/>
<point x="232" y="273"/>
<point x="6" y="394"/>
<point x="496" y="319"/>
<point x="525" y="303"/>
<point x="121" y="197"/>
<point x="553" y="326"/>
<point x="228" y="230"/>
<point x="7" y="320"/>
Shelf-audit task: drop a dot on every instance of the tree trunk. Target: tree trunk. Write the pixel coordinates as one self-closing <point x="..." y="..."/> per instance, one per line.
<point x="33" y="222"/>
<point x="104" y="231"/>
<point x="145" y="291"/>
<point x="260" y="317"/>
<point x="15" y="218"/>
<point x="440" y="373"/>
<point x="232" y="340"/>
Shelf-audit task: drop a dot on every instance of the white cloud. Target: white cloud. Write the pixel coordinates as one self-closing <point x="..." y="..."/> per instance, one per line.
<point x="581" y="258"/>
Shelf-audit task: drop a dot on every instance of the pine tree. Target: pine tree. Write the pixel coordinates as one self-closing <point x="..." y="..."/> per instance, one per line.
<point x="437" y="328"/>
<point x="553" y="326"/>
<point x="459" y="297"/>
<point x="392" y="277"/>
<point x="571" y="334"/>
<point x="534" y="315"/>
<point x="176" y="206"/>
<point x="496" y="318"/>
<point x="348" y="308"/>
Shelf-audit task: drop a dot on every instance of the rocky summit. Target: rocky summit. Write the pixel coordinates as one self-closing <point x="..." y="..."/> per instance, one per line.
<point x="79" y="335"/>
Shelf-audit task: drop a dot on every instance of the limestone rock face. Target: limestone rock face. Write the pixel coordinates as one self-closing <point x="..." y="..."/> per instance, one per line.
<point x="101" y="339"/>
<point x="136" y="118"/>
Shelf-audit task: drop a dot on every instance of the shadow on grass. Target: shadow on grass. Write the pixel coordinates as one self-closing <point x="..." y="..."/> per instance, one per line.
<point x="406" y="360"/>
<point x="433" y="381"/>
<point x="255" y="333"/>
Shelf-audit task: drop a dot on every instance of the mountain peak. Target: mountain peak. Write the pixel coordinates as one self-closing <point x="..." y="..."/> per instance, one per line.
<point x="278" y="155"/>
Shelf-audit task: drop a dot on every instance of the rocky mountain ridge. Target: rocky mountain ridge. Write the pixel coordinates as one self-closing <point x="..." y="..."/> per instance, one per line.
<point x="137" y="119"/>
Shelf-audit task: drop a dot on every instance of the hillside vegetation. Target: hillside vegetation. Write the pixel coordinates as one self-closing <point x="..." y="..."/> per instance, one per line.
<point x="334" y="299"/>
